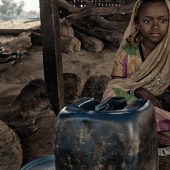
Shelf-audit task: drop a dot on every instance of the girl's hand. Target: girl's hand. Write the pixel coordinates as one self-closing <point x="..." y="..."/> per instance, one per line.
<point x="108" y="93"/>
<point x="143" y="93"/>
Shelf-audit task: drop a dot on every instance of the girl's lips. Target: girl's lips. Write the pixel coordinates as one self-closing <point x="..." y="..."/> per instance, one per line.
<point x="155" y="34"/>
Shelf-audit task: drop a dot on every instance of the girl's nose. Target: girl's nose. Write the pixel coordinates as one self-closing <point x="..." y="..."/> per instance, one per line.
<point x="155" y="24"/>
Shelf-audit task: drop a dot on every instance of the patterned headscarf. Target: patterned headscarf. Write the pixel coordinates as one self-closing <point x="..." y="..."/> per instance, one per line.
<point x="154" y="74"/>
<point x="138" y="4"/>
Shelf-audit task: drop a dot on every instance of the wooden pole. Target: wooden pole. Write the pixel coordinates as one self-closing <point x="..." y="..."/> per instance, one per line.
<point x="53" y="71"/>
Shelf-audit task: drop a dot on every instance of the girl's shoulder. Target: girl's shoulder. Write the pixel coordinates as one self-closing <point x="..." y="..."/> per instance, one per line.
<point x="130" y="51"/>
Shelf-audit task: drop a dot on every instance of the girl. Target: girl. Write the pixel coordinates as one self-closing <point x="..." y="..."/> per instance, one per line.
<point x="142" y="63"/>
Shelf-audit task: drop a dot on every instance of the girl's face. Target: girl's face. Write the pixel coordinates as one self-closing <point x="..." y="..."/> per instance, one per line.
<point x="153" y="21"/>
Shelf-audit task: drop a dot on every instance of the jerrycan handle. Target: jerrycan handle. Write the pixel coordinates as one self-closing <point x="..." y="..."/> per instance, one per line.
<point x="112" y="103"/>
<point x="87" y="103"/>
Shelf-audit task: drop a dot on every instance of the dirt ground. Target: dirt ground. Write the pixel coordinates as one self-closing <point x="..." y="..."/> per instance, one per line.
<point x="84" y="64"/>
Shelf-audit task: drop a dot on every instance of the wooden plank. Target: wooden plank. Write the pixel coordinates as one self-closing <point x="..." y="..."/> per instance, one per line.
<point x="16" y="31"/>
<point x="52" y="59"/>
<point x="12" y="31"/>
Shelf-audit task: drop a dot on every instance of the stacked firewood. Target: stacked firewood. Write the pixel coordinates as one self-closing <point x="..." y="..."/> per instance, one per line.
<point x="87" y="24"/>
<point x="91" y="26"/>
<point x="97" y="27"/>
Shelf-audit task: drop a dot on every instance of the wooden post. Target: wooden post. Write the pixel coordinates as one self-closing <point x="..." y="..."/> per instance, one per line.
<point x="52" y="59"/>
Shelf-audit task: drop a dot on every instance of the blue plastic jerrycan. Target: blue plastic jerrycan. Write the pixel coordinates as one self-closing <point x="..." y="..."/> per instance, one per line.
<point x="110" y="135"/>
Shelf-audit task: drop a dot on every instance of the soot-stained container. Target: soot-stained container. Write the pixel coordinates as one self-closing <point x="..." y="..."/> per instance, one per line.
<point x="106" y="136"/>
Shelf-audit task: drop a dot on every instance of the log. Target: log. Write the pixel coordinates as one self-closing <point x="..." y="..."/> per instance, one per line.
<point x="101" y="11"/>
<point x="104" y="34"/>
<point x="89" y="4"/>
<point x="119" y="18"/>
<point x="64" y="5"/>
<point x="70" y="45"/>
<point x="106" y="24"/>
<point x="101" y="22"/>
<point x="36" y="38"/>
<point x="20" y="43"/>
<point x="66" y="29"/>
<point x="93" y="44"/>
<point x="90" y="43"/>
<point x="67" y="6"/>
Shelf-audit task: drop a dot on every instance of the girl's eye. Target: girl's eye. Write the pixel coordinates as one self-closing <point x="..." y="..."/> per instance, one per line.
<point x="146" y="21"/>
<point x="163" y="20"/>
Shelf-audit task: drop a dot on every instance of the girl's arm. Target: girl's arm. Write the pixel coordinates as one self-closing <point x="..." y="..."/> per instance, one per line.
<point x="143" y="93"/>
